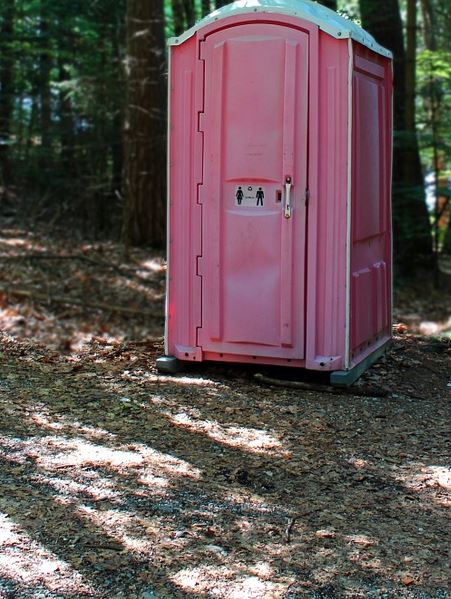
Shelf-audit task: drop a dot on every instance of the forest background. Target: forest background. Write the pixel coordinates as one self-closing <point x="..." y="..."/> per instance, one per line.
<point x="83" y="117"/>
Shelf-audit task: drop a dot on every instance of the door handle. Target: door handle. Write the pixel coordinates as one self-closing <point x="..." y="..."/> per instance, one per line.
<point x="287" y="208"/>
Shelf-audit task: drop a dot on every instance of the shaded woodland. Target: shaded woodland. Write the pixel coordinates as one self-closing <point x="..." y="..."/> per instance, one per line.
<point x="228" y="480"/>
<point x="83" y="116"/>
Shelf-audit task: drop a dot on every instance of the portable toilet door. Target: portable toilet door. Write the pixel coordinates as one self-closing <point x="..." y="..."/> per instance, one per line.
<point x="260" y="187"/>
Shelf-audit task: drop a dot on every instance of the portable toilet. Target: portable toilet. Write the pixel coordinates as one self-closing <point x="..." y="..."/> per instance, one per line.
<point x="279" y="199"/>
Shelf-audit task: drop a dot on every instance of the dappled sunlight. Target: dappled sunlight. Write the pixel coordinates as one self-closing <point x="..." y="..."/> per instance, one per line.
<point x="21" y="241"/>
<point x="153" y="264"/>
<point x="248" y="439"/>
<point x="419" y="478"/>
<point x="29" y="564"/>
<point x="164" y="462"/>
<point x="428" y="327"/>
<point x="10" y="318"/>
<point x="361" y="540"/>
<point x="92" y="485"/>
<point x="55" y="452"/>
<point x="62" y="423"/>
<point x="135" y="534"/>
<point x="225" y="581"/>
<point x="172" y="379"/>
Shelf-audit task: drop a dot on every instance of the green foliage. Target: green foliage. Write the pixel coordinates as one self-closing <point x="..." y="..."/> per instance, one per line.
<point x="69" y="56"/>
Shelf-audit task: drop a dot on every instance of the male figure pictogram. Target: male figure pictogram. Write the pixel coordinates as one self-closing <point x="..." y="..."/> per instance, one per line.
<point x="260" y="195"/>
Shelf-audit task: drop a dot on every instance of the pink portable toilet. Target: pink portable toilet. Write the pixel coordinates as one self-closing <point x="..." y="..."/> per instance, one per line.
<point x="279" y="243"/>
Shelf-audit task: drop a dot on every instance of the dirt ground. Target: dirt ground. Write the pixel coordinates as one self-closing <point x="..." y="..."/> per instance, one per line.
<point x="116" y="481"/>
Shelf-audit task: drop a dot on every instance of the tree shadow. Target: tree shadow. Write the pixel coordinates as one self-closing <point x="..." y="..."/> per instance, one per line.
<point x="206" y="486"/>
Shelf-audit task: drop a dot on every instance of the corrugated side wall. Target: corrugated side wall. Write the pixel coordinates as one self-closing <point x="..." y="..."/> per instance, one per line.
<point x="370" y="308"/>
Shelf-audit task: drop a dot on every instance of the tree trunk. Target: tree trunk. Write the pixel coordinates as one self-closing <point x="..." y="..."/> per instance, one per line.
<point x="412" y="232"/>
<point x="177" y="16"/>
<point x="145" y="155"/>
<point x="45" y="66"/>
<point x="411" y="64"/>
<point x="205" y="7"/>
<point x="188" y="7"/>
<point x="117" y="146"/>
<point x="430" y="25"/>
<point x="332" y="4"/>
<point x="7" y="89"/>
<point x="66" y="121"/>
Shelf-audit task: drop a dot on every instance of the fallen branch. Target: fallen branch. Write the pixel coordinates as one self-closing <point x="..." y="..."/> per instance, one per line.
<point x="126" y="272"/>
<point x="69" y="301"/>
<point x="289" y="529"/>
<point x="365" y="391"/>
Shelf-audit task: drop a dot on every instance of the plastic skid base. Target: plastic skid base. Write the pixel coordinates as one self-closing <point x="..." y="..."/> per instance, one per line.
<point x="345" y="378"/>
<point x="168" y="364"/>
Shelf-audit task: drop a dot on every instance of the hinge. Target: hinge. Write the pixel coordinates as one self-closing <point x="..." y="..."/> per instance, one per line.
<point x="307" y="196"/>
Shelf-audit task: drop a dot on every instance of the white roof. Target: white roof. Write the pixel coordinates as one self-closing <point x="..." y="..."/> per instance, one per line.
<point x="326" y="19"/>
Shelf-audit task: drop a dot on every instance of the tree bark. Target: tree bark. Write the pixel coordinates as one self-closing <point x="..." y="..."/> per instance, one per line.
<point x="188" y="7"/>
<point x="66" y="121"/>
<point x="332" y="4"/>
<point x="144" y="131"/>
<point x="412" y="232"/>
<point x="205" y="7"/>
<point x="45" y="66"/>
<point x="177" y="16"/>
<point x="7" y="89"/>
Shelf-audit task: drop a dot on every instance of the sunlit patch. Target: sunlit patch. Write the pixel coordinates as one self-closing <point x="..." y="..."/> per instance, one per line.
<point x="428" y="327"/>
<point x="125" y="527"/>
<point x="222" y="581"/>
<point x="149" y="479"/>
<point x="178" y="380"/>
<point x="43" y="421"/>
<point x="61" y="452"/>
<point x="94" y="486"/>
<point x="58" y="453"/>
<point x="426" y="477"/>
<point x="10" y="318"/>
<point x="154" y="265"/>
<point x="263" y="570"/>
<point x="164" y="463"/>
<point x="27" y="563"/>
<point x="358" y="463"/>
<point x="250" y="439"/>
<point x="20" y="242"/>
<point x="362" y="540"/>
<point x="62" y="424"/>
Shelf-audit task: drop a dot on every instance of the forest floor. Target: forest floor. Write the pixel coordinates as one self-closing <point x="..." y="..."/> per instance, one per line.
<point x="116" y="481"/>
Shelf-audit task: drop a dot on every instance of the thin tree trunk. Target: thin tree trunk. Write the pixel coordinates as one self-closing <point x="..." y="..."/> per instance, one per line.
<point x="188" y="7"/>
<point x="177" y="16"/>
<point x="7" y="89"/>
<point x="45" y="65"/>
<point x="66" y="119"/>
<point x="429" y="25"/>
<point x="411" y="65"/>
<point x="432" y="102"/>
<point x="332" y="4"/>
<point x="205" y="7"/>
<point x="117" y="153"/>
<point x="145" y="156"/>
<point x="412" y="232"/>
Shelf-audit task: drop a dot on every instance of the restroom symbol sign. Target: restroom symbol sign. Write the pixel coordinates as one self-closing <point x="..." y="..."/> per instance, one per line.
<point x="250" y="195"/>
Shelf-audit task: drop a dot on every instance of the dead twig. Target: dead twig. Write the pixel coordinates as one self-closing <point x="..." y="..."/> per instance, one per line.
<point x="55" y="299"/>
<point x="125" y="272"/>
<point x="365" y="391"/>
<point x="289" y="528"/>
